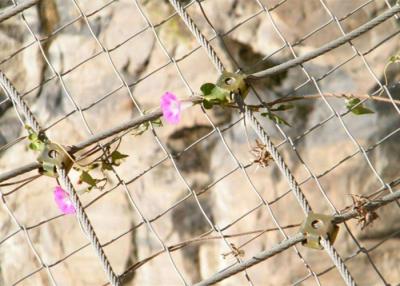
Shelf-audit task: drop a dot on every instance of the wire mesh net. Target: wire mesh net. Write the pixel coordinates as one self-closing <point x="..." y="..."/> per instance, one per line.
<point x="197" y="199"/>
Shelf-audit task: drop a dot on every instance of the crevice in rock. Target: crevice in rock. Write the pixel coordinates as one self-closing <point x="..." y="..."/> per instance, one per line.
<point x="49" y="20"/>
<point x="133" y="256"/>
<point x="188" y="220"/>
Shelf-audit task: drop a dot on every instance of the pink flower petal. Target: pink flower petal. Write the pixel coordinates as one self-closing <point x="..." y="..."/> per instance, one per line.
<point x="171" y="108"/>
<point x="63" y="201"/>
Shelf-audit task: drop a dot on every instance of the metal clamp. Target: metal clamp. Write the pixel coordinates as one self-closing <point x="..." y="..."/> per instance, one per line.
<point x="317" y="226"/>
<point x="53" y="157"/>
<point x="234" y="83"/>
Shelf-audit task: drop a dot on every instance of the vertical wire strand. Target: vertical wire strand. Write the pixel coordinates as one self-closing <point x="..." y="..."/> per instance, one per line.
<point x="265" y="138"/>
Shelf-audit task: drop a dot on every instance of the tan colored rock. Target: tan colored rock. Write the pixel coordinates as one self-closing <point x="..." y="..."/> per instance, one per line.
<point x="158" y="188"/>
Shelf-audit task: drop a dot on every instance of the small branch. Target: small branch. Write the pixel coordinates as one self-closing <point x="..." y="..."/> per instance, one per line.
<point x="337" y="95"/>
<point x="372" y="205"/>
<point x="255" y="259"/>
<point x="20" y="181"/>
<point x="263" y="104"/>
<point x="124" y="126"/>
<point x="96" y="138"/>
<point x="112" y="131"/>
<point x="156" y="114"/>
<point x="202" y="238"/>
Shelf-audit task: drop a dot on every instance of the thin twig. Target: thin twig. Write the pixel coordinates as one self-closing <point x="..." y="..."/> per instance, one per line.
<point x="20" y="181"/>
<point x="31" y="179"/>
<point x="337" y="95"/>
<point x="199" y="239"/>
<point x="156" y="114"/>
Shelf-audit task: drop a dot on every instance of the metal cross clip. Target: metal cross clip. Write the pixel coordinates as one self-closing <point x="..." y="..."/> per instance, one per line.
<point x="52" y="157"/>
<point x="317" y="226"/>
<point x="234" y="83"/>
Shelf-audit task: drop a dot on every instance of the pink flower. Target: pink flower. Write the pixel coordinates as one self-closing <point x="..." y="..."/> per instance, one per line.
<point x="63" y="201"/>
<point x="171" y="108"/>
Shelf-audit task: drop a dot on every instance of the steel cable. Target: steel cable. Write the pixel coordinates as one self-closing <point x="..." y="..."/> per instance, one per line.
<point x="329" y="46"/>
<point x="15" y="97"/>
<point x="264" y="137"/>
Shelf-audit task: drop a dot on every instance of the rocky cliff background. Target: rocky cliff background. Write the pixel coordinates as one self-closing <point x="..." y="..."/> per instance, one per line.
<point x="98" y="48"/>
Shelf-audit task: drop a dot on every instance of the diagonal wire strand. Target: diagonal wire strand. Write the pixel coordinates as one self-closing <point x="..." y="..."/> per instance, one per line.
<point x="329" y="46"/>
<point x="80" y="212"/>
<point x="266" y="140"/>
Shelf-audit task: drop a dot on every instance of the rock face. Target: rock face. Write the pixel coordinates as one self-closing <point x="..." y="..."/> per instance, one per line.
<point x="92" y="73"/>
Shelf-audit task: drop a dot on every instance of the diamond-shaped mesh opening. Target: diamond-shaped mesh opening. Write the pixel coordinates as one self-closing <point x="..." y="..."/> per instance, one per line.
<point x="220" y="194"/>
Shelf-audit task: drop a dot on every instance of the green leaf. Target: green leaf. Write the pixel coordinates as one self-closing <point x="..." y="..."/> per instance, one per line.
<point x="36" y="146"/>
<point x="116" y="157"/>
<point x="93" y="166"/>
<point x="87" y="178"/>
<point x="207" y="104"/>
<point x="350" y="103"/>
<point x="283" y="107"/>
<point x="33" y="137"/>
<point x="275" y="118"/>
<point x="106" y="165"/>
<point x="36" y="143"/>
<point x="360" y="110"/>
<point x="356" y="108"/>
<point x="207" y="88"/>
<point x="217" y="96"/>
<point x="394" y="59"/>
<point x="141" y="128"/>
<point x="157" y="122"/>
